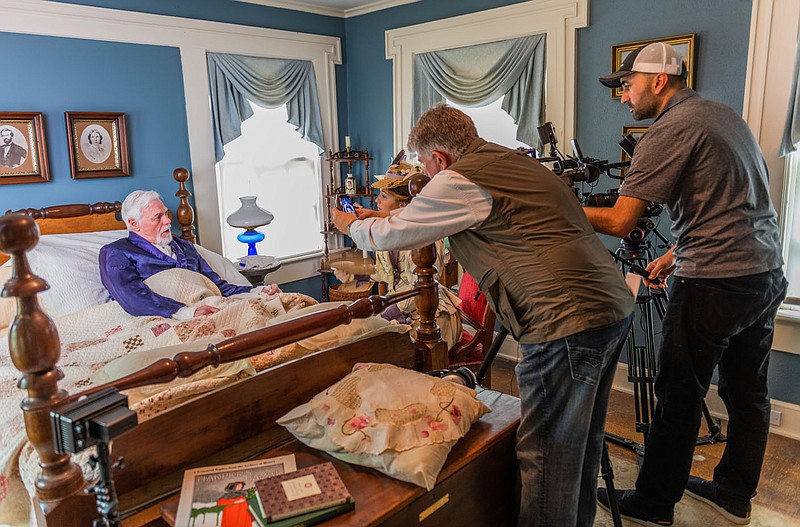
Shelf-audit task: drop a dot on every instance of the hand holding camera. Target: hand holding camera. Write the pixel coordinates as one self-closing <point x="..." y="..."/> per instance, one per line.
<point x="345" y="203"/>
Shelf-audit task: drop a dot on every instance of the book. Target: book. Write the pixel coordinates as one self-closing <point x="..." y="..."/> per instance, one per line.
<point x="303" y="491"/>
<point x="313" y="518"/>
<point x="209" y="494"/>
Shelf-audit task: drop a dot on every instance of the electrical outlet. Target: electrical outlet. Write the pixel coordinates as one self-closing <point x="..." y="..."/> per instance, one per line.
<point x="775" y="418"/>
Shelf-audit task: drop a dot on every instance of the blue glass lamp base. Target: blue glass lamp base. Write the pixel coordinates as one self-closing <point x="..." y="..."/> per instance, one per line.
<point x="251" y="238"/>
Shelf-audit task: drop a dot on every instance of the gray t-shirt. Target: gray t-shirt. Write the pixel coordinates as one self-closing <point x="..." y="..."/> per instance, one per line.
<point x="700" y="159"/>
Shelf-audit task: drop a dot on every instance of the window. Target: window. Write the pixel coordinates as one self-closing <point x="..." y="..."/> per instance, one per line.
<point x="558" y="19"/>
<point x="272" y="162"/>
<point x="493" y="123"/>
<point x="790" y="226"/>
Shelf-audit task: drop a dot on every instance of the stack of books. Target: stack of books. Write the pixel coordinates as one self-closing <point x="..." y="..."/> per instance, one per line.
<point x="263" y="493"/>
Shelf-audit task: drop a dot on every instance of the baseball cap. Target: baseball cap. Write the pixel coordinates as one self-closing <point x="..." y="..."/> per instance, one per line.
<point x="652" y="58"/>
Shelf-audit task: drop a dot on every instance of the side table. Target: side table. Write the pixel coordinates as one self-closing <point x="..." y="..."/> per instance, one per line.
<point x="257" y="276"/>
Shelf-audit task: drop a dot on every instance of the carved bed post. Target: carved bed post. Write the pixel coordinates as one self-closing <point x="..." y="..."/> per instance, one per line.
<point x="185" y="211"/>
<point x="35" y="350"/>
<point x="429" y="336"/>
<point x="428" y="333"/>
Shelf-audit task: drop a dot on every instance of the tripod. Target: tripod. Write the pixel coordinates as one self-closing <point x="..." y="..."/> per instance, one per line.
<point x="633" y="255"/>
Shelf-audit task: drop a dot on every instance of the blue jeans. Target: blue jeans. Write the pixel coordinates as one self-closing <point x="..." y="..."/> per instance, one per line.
<point x="728" y="323"/>
<point x="564" y="387"/>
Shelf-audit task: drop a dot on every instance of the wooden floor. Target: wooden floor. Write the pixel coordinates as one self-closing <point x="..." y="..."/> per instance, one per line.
<point x="780" y="476"/>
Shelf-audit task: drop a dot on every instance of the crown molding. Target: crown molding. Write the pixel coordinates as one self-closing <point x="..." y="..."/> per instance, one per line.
<point x="371" y="7"/>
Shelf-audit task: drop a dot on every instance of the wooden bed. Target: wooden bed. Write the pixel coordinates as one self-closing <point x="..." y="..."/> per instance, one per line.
<point x="231" y="424"/>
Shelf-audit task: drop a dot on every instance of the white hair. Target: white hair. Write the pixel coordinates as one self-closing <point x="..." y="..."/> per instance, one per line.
<point x="134" y="203"/>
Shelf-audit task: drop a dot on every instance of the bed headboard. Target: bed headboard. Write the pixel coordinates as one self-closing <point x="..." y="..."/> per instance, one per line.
<point x="104" y="215"/>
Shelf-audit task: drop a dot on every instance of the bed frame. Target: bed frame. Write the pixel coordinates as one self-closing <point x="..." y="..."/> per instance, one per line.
<point x="231" y="424"/>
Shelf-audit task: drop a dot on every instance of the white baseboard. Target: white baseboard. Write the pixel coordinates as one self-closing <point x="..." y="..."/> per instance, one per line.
<point x="790" y="413"/>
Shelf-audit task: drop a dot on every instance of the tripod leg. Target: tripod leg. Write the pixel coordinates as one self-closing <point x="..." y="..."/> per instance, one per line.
<point x="715" y="434"/>
<point x="491" y="354"/>
<point x="607" y="471"/>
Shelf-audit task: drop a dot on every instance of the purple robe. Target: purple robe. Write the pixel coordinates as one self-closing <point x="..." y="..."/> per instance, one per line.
<point x="126" y="263"/>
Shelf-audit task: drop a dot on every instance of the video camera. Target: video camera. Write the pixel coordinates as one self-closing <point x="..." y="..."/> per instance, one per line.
<point x="578" y="168"/>
<point x="95" y="420"/>
<point x="99" y="417"/>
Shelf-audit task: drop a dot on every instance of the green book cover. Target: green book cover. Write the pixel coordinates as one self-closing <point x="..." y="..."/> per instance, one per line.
<point x="315" y="517"/>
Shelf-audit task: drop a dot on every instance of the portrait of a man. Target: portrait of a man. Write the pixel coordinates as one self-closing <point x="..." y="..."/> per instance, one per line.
<point x="12" y="154"/>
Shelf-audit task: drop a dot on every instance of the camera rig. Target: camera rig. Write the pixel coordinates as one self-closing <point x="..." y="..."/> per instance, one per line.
<point x="578" y="168"/>
<point x="587" y="170"/>
<point x="95" y="420"/>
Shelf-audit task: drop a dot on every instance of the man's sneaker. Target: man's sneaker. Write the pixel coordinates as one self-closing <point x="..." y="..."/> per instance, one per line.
<point x="635" y="508"/>
<point x="706" y="491"/>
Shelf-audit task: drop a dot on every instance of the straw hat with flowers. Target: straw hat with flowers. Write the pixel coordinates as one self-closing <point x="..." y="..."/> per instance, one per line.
<point x="395" y="181"/>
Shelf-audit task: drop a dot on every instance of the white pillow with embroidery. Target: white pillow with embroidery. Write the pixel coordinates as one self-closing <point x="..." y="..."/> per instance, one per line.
<point x="396" y="420"/>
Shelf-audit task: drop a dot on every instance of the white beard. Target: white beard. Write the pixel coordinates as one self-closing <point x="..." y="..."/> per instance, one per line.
<point x="164" y="238"/>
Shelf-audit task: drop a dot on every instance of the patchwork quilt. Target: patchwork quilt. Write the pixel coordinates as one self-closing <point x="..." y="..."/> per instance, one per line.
<point x="97" y="338"/>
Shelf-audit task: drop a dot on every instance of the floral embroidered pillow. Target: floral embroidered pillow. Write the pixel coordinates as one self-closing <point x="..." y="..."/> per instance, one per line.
<point x="382" y="410"/>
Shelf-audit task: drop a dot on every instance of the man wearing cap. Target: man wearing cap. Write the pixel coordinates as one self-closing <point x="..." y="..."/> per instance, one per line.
<point x="520" y="232"/>
<point x="700" y="159"/>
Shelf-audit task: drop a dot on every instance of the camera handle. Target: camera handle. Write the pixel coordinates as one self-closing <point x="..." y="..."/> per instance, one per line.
<point x="103" y="489"/>
<point x="638" y="269"/>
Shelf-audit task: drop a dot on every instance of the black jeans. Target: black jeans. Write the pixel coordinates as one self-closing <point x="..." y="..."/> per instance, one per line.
<point x="712" y="322"/>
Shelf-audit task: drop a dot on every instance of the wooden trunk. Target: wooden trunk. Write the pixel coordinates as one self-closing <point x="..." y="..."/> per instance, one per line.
<point x="478" y="486"/>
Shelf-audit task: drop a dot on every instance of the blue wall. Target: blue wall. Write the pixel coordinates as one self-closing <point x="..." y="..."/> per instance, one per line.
<point x="122" y="80"/>
<point x="228" y="11"/>
<point x="62" y="74"/>
<point x="722" y="28"/>
<point x="146" y="83"/>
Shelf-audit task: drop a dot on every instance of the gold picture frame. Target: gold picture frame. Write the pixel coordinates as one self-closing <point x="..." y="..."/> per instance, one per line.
<point x="98" y="144"/>
<point x="684" y="44"/>
<point x="637" y="131"/>
<point x="23" y="150"/>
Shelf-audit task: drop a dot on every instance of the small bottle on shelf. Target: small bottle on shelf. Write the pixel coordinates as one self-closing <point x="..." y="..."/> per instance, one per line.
<point x="350" y="184"/>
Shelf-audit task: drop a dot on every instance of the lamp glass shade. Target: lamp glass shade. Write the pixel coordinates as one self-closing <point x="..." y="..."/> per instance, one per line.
<point x="249" y="215"/>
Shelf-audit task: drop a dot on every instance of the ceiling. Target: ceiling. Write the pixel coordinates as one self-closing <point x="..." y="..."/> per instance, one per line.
<point x="340" y="8"/>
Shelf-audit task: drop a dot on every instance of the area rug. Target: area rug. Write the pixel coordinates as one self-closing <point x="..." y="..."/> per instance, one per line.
<point x="688" y="512"/>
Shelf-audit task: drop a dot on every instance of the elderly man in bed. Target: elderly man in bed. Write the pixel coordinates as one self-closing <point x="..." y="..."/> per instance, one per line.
<point x="149" y="248"/>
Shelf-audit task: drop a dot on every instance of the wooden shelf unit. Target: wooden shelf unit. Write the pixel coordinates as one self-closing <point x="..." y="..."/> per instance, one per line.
<point x="350" y="157"/>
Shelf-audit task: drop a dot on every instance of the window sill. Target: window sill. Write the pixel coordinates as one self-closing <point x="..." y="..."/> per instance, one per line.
<point x="787" y="331"/>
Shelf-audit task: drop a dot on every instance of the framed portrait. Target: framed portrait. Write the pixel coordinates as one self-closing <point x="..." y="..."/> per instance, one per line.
<point x="23" y="152"/>
<point x="636" y="131"/>
<point x="683" y="44"/>
<point x="98" y="144"/>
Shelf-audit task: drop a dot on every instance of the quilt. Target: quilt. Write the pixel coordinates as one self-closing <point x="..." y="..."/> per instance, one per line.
<point x="99" y="336"/>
